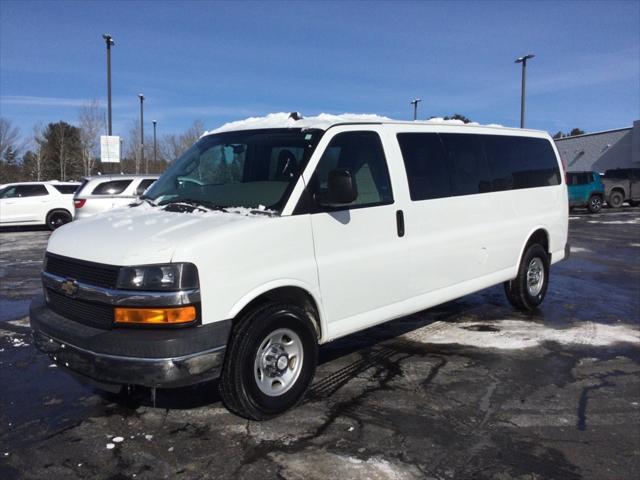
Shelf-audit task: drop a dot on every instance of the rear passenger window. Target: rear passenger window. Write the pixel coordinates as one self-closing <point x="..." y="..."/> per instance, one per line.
<point x="66" y="189"/>
<point x="426" y="164"/>
<point x="466" y="164"/>
<point x="30" y="191"/>
<point x="144" y="184"/>
<point x="362" y="154"/>
<point x="111" y="188"/>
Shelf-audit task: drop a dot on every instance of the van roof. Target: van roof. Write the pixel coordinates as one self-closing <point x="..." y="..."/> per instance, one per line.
<point x="327" y="120"/>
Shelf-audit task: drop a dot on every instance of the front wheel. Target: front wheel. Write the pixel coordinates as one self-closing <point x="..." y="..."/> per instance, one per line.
<point x="527" y="290"/>
<point x="269" y="362"/>
<point x="595" y="204"/>
<point x="57" y="218"/>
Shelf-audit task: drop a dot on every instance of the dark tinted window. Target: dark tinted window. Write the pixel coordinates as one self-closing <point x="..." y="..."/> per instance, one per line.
<point x="426" y="165"/>
<point x="111" y="188"/>
<point x="475" y="163"/>
<point x="618" y="173"/>
<point x="361" y="153"/>
<point x="579" y="178"/>
<point x="27" y="191"/>
<point x="468" y="165"/>
<point x="144" y="184"/>
<point x="66" y="189"/>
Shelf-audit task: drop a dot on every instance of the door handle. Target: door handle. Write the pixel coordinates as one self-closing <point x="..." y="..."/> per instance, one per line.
<point x="400" y="223"/>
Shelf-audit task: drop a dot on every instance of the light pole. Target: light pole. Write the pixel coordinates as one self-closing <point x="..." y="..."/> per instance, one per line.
<point x="109" y="41"/>
<point x="155" y="145"/>
<point x="146" y="168"/>
<point x="415" y="107"/>
<point x="523" y="61"/>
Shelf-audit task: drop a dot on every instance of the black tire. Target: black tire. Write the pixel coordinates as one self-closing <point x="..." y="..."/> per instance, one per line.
<point x="616" y="199"/>
<point x="239" y="384"/>
<point x="517" y="291"/>
<point x="57" y="218"/>
<point x="595" y="204"/>
<point x="634" y="203"/>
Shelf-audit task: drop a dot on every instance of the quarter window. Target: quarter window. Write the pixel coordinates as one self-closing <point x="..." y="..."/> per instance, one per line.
<point x="111" y="188"/>
<point x="360" y="153"/>
<point x="144" y="184"/>
<point x="66" y="189"/>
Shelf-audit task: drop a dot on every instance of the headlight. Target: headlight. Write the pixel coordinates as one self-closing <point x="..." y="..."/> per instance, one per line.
<point x="172" y="276"/>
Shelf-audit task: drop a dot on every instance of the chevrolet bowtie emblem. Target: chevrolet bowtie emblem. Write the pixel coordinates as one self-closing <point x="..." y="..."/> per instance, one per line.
<point x="69" y="287"/>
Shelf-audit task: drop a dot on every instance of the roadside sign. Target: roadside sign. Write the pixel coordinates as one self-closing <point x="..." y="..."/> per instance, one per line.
<point x="110" y="149"/>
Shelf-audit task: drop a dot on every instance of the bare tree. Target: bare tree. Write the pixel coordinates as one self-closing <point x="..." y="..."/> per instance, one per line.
<point x="9" y="137"/>
<point x="91" y="125"/>
<point x="174" y="145"/>
<point x="34" y="163"/>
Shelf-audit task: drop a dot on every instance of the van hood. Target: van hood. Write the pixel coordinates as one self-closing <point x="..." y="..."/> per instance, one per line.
<point x="140" y="235"/>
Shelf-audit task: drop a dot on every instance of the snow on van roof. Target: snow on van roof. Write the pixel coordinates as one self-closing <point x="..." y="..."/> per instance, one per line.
<point x="322" y="121"/>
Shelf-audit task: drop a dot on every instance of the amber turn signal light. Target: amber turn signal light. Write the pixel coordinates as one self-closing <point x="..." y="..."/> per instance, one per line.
<point x="155" y="316"/>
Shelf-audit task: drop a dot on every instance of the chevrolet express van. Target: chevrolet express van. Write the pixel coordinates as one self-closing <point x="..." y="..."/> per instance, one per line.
<point x="272" y="236"/>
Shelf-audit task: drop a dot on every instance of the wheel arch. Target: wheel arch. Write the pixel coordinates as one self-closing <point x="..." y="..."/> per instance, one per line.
<point x="293" y="292"/>
<point x="538" y="235"/>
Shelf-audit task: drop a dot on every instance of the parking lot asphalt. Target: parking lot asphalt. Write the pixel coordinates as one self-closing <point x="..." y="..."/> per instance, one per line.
<point x="469" y="390"/>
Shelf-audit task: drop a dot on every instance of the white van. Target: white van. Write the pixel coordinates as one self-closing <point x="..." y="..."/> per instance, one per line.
<point x="272" y="236"/>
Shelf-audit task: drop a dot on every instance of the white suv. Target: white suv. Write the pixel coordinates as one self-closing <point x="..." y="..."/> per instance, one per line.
<point x="269" y="238"/>
<point x="37" y="203"/>
<point x="105" y="192"/>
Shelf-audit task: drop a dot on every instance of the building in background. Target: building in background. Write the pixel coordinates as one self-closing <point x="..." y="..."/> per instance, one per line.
<point x="600" y="151"/>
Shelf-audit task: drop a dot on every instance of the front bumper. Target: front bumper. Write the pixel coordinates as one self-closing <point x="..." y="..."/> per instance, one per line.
<point x="153" y="358"/>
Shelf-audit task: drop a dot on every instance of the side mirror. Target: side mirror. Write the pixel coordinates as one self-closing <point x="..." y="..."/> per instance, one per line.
<point x="341" y="189"/>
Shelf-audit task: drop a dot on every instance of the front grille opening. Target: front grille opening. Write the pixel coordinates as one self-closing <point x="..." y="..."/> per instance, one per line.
<point x="91" y="314"/>
<point x="86" y="272"/>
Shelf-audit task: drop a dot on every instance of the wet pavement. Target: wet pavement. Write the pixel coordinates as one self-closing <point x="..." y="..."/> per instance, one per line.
<point x="467" y="390"/>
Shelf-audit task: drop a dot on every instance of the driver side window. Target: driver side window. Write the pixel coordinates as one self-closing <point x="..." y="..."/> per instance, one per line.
<point x="361" y="154"/>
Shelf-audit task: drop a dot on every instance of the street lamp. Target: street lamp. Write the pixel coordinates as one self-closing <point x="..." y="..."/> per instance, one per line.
<point x="141" y="96"/>
<point x="155" y="145"/>
<point x="109" y="41"/>
<point x="415" y="107"/>
<point x="523" y="61"/>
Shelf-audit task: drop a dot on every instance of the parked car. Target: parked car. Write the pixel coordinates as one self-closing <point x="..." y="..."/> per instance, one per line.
<point x="266" y="239"/>
<point x="622" y="185"/>
<point x="585" y="190"/>
<point x="105" y="192"/>
<point x="37" y="203"/>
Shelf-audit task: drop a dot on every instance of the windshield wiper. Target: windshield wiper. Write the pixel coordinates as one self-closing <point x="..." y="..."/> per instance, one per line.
<point x="193" y="204"/>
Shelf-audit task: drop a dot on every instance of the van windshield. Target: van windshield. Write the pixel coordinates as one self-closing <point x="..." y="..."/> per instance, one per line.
<point x="248" y="168"/>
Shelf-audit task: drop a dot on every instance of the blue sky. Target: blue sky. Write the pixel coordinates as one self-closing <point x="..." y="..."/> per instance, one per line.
<point x="219" y="61"/>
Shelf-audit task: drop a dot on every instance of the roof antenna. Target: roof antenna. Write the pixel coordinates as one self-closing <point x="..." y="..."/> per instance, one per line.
<point x="295" y="115"/>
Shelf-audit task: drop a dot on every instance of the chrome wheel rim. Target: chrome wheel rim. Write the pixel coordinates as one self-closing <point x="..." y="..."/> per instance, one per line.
<point x="535" y="276"/>
<point x="278" y="362"/>
<point x="596" y="203"/>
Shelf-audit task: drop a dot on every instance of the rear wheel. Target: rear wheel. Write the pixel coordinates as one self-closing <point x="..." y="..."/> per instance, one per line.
<point x="616" y="199"/>
<point x="526" y="292"/>
<point x="269" y="362"/>
<point x="595" y="204"/>
<point x="57" y="218"/>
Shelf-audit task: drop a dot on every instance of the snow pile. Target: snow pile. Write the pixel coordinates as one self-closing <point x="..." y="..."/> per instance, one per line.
<point x="321" y="121"/>
<point x="284" y="120"/>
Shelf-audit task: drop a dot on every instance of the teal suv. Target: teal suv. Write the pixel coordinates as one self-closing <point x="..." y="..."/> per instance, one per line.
<point x="585" y="190"/>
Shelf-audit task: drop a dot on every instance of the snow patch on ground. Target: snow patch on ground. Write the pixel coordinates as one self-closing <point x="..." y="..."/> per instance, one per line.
<point x="617" y="222"/>
<point x="580" y="250"/>
<point x="519" y="334"/>
<point x="314" y="465"/>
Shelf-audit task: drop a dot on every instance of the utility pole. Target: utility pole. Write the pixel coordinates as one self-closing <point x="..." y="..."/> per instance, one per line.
<point x="523" y="61"/>
<point x="155" y="145"/>
<point x="146" y="168"/>
<point x="109" y="41"/>
<point x="415" y="107"/>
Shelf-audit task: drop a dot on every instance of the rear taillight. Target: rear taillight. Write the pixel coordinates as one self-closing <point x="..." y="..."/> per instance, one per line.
<point x="79" y="202"/>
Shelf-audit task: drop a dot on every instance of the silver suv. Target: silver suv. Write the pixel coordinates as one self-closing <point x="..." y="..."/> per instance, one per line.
<point x="105" y="192"/>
